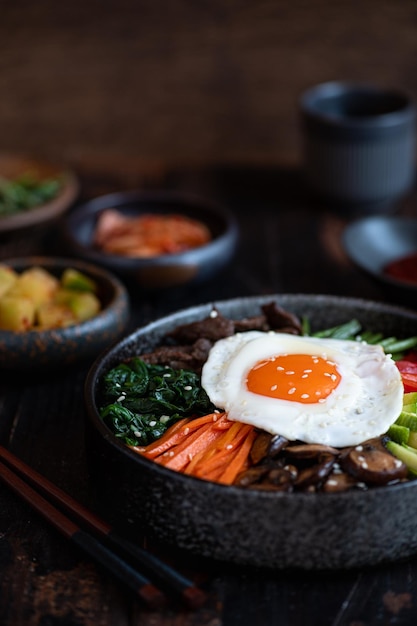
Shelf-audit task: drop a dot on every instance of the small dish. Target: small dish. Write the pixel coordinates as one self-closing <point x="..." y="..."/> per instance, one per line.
<point x="59" y="347"/>
<point x="12" y="166"/>
<point x="374" y="242"/>
<point x="248" y="526"/>
<point x="168" y="270"/>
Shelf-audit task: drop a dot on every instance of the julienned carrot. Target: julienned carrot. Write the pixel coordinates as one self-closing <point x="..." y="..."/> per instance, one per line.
<point x="168" y="439"/>
<point x="177" y="432"/>
<point x="198" y="441"/>
<point x="210" y="447"/>
<point x="223" y="454"/>
<point x="239" y="461"/>
<point x="224" y="447"/>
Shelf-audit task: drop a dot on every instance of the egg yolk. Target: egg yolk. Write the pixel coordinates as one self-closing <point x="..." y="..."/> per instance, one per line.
<point x="295" y="377"/>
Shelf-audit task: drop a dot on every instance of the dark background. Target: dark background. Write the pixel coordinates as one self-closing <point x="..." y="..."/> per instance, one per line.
<point x="185" y="81"/>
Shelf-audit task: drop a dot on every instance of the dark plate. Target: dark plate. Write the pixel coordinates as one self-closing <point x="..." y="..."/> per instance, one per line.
<point x="373" y="242"/>
<point x="59" y="347"/>
<point x="276" y="530"/>
<point x="170" y="270"/>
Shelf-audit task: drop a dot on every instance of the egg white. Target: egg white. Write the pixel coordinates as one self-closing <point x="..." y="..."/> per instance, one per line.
<point x="366" y="402"/>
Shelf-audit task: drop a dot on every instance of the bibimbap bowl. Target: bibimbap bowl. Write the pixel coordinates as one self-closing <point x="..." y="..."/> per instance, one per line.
<point x="273" y="529"/>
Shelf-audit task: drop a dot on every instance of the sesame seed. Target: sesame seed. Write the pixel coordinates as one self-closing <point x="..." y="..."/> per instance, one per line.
<point x="331" y="482"/>
<point x="137" y="433"/>
<point x="292" y="390"/>
<point x="280" y="368"/>
<point x="290" y="372"/>
<point x="167" y="375"/>
<point x="186" y="430"/>
<point x="153" y="423"/>
<point x="274" y="387"/>
<point x="305" y="396"/>
<point x="307" y="371"/>
<point x="121" y="398"/>
<point x="229" y="446"/>
<point x="304" y="376"/>
<point x="213" y="313"/>
<point x="187" y="388"/>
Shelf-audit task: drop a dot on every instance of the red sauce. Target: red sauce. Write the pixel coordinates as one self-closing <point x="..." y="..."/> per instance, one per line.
<point x="403" y="269"/>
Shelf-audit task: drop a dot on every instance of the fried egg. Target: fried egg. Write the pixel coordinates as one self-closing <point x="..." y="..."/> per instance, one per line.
<point x="315" y="390"/>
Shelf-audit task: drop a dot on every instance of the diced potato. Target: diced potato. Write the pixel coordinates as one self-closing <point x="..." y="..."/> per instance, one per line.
<point x="16" y="313"/>
<point x="73" y="279"/>
<point x="7" y="278"/>
<point x="54" y="315"/>
<point x="84" y="305"/>
<point x="36" y="284"/>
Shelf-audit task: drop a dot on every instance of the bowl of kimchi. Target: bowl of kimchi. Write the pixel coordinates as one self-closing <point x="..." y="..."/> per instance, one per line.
<point x="154" y="239"/>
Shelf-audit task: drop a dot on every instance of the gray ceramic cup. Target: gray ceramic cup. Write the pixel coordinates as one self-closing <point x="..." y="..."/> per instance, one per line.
<point x="359" y="144"/>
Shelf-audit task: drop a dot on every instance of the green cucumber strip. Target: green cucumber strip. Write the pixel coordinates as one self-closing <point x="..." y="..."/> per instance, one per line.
<point x="407" y="419"/>
<point x="400" y="434"/>
<point x="412" y="440"/>
<point x="410" y="397"/>
<point x="406" y="454"/>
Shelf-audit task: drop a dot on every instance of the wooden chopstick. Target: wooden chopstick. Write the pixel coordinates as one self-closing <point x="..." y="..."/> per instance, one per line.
<point x="171" y="581"/>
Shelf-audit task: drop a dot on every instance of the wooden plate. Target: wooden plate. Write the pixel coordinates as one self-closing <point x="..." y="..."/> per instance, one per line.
<point x="12" y="166"/>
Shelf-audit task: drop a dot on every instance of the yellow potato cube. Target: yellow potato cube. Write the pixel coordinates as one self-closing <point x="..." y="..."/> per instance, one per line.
<point x="16" y="313"/>
<point x="7" y="278"/>
<point x="36" y="284"/>
<point x="73" y="279"/>
<point x="84" y="305"/>
<point x="54" y="315"/>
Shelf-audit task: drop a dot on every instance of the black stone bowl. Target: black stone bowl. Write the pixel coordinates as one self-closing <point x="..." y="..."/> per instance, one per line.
<point x="169" y="270"/>
<point x="56" y="348"/>
<point x="249" y="527"/>
<point x="373" y="242"/>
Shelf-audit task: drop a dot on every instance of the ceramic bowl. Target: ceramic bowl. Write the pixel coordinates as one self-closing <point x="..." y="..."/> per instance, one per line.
<point x="39" y="349"/>
<point x="12" y="166"/>
<point x="249" y="527"/>
<point x="373" y="242"/>
<point x="170" y="270"/>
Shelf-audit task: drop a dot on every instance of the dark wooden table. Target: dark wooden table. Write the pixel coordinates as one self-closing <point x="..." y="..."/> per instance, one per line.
<point x="288" y="243"/>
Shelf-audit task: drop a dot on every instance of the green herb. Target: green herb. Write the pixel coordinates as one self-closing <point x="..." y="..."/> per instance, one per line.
<point x="352" y="331"/>
<point x="141" y="401"/>
<point x="26" y="192"/>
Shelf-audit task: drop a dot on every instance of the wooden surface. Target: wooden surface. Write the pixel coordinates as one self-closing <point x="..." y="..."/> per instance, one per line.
<point x="288" y="244"/>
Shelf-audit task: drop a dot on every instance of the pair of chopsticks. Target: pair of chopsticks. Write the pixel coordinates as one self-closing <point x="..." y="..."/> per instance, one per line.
<point x="146" y="575"/>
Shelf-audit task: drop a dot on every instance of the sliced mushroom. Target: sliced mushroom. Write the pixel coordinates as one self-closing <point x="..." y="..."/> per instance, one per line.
<point x="280" y="478"/>
<point x="371" y="463"/>
<point x="315" y="474"/>
<point x="251" y="475"/>
<point x="260" y="447"/>
<point x="278" y="443"/>
<point x="310" y="451"/>
<point x="339" y="482"/>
